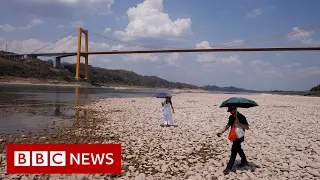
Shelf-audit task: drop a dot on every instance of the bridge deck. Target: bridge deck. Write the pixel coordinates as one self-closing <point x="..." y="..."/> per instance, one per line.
<point x="176" y="50"/>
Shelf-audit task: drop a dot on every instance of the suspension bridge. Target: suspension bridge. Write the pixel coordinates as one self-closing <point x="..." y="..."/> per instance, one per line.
<point x="155" y="49"/>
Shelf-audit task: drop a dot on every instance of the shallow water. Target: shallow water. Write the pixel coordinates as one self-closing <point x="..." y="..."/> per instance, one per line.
<point x="31" y="108"/>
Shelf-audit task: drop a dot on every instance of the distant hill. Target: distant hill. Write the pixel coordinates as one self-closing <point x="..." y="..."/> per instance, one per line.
<point x="101" y="76"/>
<point x="97" y="76"/>
<point x="44" y="70"/>
<point x="33" y="69"/>
<point x="227" y="89"/>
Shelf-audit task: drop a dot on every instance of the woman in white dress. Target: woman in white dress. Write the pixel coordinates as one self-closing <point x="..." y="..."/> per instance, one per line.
<point x="167" y="106"/>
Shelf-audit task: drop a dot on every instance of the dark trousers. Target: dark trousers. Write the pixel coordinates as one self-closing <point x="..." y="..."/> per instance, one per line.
<point x="236" y="148"/>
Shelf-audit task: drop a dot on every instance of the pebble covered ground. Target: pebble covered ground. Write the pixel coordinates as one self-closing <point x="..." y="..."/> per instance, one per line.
<point x="283" y="141"/>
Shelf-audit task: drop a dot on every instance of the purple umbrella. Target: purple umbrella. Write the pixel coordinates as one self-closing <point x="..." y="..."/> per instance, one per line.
<point x="162" y="95"/>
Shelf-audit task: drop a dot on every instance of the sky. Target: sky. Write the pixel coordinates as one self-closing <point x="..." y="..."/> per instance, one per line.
<point x="28" y="25"/>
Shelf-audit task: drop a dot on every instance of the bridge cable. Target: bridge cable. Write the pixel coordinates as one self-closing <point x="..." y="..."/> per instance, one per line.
<point x="221" y="45"/>
<point x="54" y="41"/>
<point x="279" y="36"/>
<point x="254" y="41"/>
<point x="269" y="38"/>
<point x="61" y="43"/>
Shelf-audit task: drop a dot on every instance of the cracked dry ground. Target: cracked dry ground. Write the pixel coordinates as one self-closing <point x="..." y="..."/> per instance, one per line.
<point x="277" y="145"/>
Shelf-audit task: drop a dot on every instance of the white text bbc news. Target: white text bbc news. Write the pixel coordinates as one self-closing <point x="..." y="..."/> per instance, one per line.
<point x="59" y="158"/>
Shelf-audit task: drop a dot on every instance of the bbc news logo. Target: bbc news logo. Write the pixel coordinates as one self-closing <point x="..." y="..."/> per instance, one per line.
<point x="63" y="158"/>
<point x="58" y="158"/>
<point x="40" y="158"/>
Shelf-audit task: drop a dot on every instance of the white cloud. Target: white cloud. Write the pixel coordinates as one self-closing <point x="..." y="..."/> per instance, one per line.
<point x="260" y="63"/>
<point x="74" y="24"/>
<point x="203" y="45"/>
<point x="117" y="47"/>
<point x="265" y="69"/>
<point x="31" y="45"/>
<point x="291" y="65"/>
<point x="141" y="57"/>
<point x="206" y="58"/>
<point x="255" y="13"/>
<point x="75" y="2"/>
<point x="93" y="46"/>
<point x="107" y="30"/>
<point x="308" y="72"/>
<point x="36" y="21"/>
<point x="59" y="8"/>
<point x="230" y="60"/>
<point x="208" y="67"/>
<point x="302" y="36"/>
<point x="121" y="18"/>
<point x="173" y="59"/>
<point x="149" y="20"/>
<point x="211" y="58"/>
<point x="24" y="46"/>
<point x="236" y="42"/>
<point x="33" y="22"/>
<point x="268" y="72"/>
<point x="108" y="3"/>
<point x="7" y="27"/>
<point x="206" y="44"/>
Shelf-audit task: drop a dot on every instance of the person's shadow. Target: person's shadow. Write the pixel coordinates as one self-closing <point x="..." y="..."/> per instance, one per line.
<point x="250" y="167"/>
<point x="164" y="125"/>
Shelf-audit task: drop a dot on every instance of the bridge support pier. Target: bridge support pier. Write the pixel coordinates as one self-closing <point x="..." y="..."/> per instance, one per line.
<point x="56" y="62"/>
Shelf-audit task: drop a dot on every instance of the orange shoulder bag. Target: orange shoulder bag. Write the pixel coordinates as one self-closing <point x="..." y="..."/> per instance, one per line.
<point x="232" y="134"/>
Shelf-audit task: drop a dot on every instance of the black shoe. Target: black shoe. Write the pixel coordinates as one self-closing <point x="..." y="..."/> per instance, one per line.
<point x="242" y="164"/>
<point x="226" y="171"/>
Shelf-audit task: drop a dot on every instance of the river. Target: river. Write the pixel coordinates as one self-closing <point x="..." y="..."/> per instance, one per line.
<point x="32" y="108"/>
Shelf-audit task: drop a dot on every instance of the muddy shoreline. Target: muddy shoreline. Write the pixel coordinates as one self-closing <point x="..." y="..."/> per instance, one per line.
<point x="83" y="131"/>
<point x="43" y="82"/>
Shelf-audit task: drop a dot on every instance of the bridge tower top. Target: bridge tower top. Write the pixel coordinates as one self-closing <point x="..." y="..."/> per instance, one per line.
<point x="86" y="49"/>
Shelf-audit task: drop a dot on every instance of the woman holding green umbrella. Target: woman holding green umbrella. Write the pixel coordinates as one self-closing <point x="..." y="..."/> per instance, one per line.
<point x="238" y="124"/>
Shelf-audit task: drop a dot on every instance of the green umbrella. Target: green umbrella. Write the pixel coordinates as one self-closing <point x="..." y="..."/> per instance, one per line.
<point x="239" y="102"/>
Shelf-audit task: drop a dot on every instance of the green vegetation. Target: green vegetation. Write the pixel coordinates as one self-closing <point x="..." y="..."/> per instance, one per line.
<point x="33" y="69"/>
<point x="314" y="93"/>
<point x="97" y="76"/>
<point x="315" y="89"/>
<point x="44" y="70"/>
<point x="227" y="89"/>
<point x="100" y="76"/>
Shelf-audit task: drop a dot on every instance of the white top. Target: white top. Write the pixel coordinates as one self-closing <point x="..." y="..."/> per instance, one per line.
<point x="167" y="108"/>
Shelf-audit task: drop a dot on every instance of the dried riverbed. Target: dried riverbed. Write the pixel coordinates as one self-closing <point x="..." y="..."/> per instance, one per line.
<point x="283" y="142"/>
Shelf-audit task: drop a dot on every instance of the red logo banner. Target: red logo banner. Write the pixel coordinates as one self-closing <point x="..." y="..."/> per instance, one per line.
<point x="64" y="158"/>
